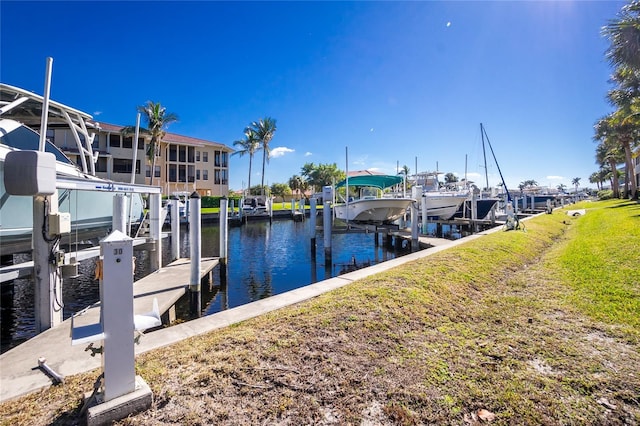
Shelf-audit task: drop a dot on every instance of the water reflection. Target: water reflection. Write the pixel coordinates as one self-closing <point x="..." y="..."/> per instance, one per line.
<point x="264" y="259"/>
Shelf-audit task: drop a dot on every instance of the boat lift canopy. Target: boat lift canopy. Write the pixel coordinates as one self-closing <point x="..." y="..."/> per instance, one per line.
<point x="375" y="181"/>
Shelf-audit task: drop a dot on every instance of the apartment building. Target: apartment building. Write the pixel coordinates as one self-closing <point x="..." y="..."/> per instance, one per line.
<point x="183" y="164"/>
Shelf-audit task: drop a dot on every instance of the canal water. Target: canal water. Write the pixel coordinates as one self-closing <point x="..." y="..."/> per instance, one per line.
<point x="264" y="259"/>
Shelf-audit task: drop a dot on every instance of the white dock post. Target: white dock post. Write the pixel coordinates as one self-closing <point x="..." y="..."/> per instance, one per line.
<point x="48" y="290"/>
<point x="195" y="249"/>
<point x="119" y="219"/>
<point x="175" y="228"/>
<point x="326" y="229"/>
<point x="33" y="173"/>
<point x="117" y="315"/>
<point x="123" y="393"/>
<point x="224" y="245"/>
<point x="155" y="230"/>
<point x="414" y="227"/>
<point x="312" y="227"/>
<point x="424" y="214"/>
<point x="224" y="230"/>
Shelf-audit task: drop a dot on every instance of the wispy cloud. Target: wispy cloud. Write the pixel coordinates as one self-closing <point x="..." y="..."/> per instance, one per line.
<point x="308" y="154"/>
<point x="96" y="113"/>
<point x="280" y="151"/>
<point x="556" y="177"/>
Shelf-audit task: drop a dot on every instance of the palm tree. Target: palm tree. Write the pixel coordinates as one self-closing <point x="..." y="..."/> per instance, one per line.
<point x="609" y="150"/>
<point x="561" y="187"/>
<point x="157" y="119"/>
<point x="249" y="145"/>
<point x="264" y="130"/>
<point x="575" y="182"/>
<point x="297" y="184"/>
<point x="624" y="36"/>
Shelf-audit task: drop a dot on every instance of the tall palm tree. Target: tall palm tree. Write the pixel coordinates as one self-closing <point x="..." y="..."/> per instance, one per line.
<point x="157" y="119"/>
<point x="624" y="36"/>
<point x="264" y="130"/>
<point x="575" y="182"/>
<point x="249" y="145"/>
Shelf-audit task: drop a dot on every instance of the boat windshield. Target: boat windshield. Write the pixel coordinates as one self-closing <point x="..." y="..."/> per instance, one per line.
<point x="26" y="139"/>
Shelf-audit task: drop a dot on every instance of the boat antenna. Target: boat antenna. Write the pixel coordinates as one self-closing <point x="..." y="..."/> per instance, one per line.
<point x="45" y="105"/>
<point x="484" y="132"/>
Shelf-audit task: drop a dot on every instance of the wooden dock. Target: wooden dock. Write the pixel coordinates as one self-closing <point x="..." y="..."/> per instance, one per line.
<point x="20" y="373"/>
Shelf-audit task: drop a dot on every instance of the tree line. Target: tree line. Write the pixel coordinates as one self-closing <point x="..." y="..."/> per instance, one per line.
<point x="617" y="133"/>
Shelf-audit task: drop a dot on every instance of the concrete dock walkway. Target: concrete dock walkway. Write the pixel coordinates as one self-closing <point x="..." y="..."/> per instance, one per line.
<point x="19" y="372"/>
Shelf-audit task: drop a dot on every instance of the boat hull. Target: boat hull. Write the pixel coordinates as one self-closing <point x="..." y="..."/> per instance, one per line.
<point x="484" y="206"/>
<point x="441" y="206"/>
<point x="378" y="210"/>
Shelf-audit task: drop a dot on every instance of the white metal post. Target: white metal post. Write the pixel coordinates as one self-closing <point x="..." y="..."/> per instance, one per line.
<point x="155" y="230"/>
<point x="175" y="228"/>
<point x="414" y="227"/>
<point x="326" y="227"/>
<point x="116" y="289"/>
<point x="48" y="290"/>
<point x="224" y="232"/>
<point x="119" y="219"/>
<point x="195" y="250"/>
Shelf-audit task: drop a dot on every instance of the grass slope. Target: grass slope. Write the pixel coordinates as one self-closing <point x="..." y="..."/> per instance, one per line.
<point x="535" y="327"/>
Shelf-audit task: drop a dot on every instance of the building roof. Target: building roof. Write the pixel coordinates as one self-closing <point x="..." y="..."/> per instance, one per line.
<point x="170" y="137"/>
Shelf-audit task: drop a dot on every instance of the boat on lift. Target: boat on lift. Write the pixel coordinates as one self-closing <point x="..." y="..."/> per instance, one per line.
<point x="370" y="204"/>
<point x="87" y="198"/>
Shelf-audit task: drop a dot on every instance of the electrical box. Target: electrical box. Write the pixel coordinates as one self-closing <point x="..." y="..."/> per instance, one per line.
<point x="30" y="173"/>
<point x="59" y="223"/>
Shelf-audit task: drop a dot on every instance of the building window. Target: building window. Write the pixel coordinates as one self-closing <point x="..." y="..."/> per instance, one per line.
<point x="173" y="173"/>
<point x="205" y="156"/>
<point x="220" y="177"/>
<point x="197" y="155"/>
<point x="95" y="145"/>
<point x="127" y="142"/>
<point x="182" y="173"/>
<point x="148" y="171"/>
<point x="183" y="154"/>
<point x="191" y="173"/>
<point x="173" y="153"/>
<point x="140" y="143"/>
<point x="191" y="154"/>
<point x="205" y="174"/>
<point x="121" y="165"/>
<point x="114" y="140"/>
<point x="222" y="159"/>
<point x="198" y="174"/>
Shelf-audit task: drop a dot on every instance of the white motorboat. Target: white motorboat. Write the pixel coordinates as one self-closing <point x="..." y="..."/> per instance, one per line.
<point x="371" y="206"/>
<point x="439" y="204"/>
<point x="87" y="198"/>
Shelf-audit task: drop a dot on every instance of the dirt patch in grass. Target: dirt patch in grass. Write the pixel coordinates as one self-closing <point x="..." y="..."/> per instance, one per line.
<point x="479" y="334"/>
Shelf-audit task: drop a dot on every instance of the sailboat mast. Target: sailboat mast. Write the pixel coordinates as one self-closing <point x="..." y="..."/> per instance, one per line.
<point x="484" y="154"/>
<point x="484" y="132"/>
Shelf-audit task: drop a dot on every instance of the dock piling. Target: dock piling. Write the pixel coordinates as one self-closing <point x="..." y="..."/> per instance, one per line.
<point x="155" y="230"/>
<point x="195" y="248"/>
<point x="326" y="229"/>
<point x="175" y="228"/>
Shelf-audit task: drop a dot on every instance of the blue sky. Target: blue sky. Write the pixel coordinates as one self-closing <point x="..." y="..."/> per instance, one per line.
<point x="398" y="83"/>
